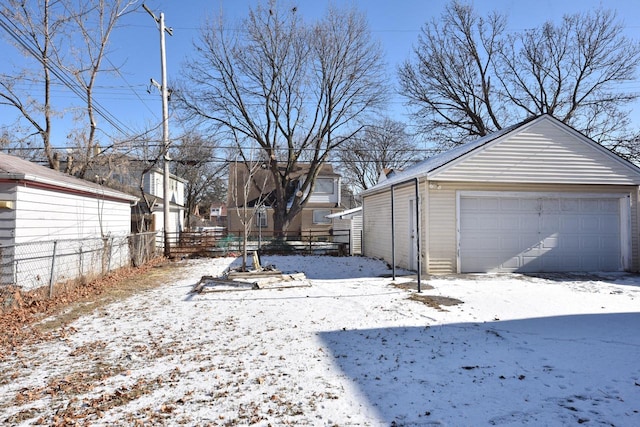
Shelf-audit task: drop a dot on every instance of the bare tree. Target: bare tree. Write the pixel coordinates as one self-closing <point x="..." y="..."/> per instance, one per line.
<point x="377" y="148"/>
<point x="94" y="22"/>
<point x="470" y="77"/>
<point x="296" y="90"/>
<point x="246" y="195"/>
<point x="194" y="160"/>
<point x="69" y="39"/>
<point x="35" y="28"/>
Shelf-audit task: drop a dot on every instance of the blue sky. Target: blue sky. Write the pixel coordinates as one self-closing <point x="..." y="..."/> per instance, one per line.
<point x="396" y="24"/>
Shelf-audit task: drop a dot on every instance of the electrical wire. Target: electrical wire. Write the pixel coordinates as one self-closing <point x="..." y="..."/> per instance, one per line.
<point x="14" y="31"/>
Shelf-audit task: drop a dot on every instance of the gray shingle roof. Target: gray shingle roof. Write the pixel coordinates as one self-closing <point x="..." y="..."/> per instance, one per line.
<point x="17" y="169"/>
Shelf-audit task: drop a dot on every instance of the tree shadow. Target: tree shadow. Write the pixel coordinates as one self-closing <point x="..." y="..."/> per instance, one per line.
<point x="540" y="371"/>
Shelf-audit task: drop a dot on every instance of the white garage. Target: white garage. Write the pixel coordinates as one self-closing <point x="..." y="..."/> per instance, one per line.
<point x="538" y="232"/>
<point x="535" y="197"/>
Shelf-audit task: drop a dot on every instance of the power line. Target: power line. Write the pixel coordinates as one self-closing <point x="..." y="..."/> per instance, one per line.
<point x="14" y="31"/>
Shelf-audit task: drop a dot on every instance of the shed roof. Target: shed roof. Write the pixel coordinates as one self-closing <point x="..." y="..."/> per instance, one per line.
<point x="345" y="213"/>
<point x="16" y="169"/>
<point x="442" y="161"/>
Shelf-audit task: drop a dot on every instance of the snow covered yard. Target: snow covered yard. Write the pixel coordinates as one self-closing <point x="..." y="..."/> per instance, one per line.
<point x="346" y="347"/>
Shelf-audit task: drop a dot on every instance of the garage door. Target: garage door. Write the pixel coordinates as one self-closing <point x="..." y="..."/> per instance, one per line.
<point x="502" y="233"/>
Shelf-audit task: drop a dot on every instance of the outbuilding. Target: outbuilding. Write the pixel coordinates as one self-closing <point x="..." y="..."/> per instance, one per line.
<point x="535" y="197"/>
<point x="44" y="212"/>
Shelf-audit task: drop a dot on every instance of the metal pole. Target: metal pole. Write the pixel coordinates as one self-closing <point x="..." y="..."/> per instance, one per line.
<point x="393" y="236"/>
<point x="416" y="183"/>
<point x="53" y="269"/>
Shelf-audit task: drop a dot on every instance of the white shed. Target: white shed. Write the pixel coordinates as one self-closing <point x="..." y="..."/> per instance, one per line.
<point x="535" y="197"/>
<point x="38" y="204"/>
<point x="347" y="228"/>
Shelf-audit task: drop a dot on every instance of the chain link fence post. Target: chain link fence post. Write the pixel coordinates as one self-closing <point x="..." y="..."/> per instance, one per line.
<point x="53" y="269"/>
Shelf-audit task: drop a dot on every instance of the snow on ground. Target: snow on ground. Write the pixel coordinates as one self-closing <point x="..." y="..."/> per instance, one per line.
<point x="346" y="347"/>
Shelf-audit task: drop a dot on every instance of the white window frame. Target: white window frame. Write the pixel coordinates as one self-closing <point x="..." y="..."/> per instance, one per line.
<point x="323" y="216"/>
<point x="262" y="219"/>
<point x="317" y="189"/>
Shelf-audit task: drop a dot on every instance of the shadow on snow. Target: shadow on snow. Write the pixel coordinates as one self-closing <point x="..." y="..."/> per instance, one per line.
<point x="565" y="369"/>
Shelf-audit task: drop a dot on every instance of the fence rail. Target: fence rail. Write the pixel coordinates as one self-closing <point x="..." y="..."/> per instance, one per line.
<point x="221" y="243"/>
<point x="47" y="263"/>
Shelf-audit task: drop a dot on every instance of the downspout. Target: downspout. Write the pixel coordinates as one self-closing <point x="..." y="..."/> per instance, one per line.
<point x="393" y="229"/>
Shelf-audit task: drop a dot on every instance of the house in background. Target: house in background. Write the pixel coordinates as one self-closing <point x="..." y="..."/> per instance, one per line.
<point x="324" y="200"/>
<point x="130" y="175"/>
<point x="39" y="205"/>
<point x="535" y="197"/>
<point x="218" y="214"/>
<point x="153" y="209"/>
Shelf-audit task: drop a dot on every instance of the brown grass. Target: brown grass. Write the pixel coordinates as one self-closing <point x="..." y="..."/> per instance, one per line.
<point x="29" y="317"/>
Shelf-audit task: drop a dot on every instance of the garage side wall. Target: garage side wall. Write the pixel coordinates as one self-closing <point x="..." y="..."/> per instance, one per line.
<point x="50" y="215"/>
<point x="377" y="223"/>
<point x="442" y="212"/>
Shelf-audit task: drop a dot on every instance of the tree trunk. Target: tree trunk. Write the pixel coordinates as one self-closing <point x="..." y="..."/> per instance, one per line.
<point x="280" y="222"/>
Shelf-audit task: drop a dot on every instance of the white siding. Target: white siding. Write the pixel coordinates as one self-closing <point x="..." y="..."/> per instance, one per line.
<point x="442" y="228"/>
<point x="153" y="184"/>
<point x="349" y="230"/>
<point x="356" y="235"/>
<point x="332" y="198"/>
<point x="50" y="215"/>
<point x="541" y="153"/>
<point x="377" y="225"/>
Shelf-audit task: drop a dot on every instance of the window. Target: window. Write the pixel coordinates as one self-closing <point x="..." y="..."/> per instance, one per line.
<point x="320" y="216"/>
<point x="261" y="218"/>
<point x="324" y="186"/>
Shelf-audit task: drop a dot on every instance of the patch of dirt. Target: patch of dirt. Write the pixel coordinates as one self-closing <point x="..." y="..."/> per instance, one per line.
<point x="413" y="285"/>
<point x="435" y="301"/>
<point x="34" y="317"/>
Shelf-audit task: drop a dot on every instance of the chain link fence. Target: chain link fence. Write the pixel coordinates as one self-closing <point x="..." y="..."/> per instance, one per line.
<point x="47" y="263"/>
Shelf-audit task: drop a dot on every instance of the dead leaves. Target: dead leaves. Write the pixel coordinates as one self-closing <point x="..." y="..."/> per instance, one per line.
<point x="20" y="311"/>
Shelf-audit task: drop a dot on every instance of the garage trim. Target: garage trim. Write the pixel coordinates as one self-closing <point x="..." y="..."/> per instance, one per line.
<point x="625" y="214"/>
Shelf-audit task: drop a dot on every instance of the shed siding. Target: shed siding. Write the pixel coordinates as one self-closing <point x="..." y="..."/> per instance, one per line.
<point x="348" y="230"/>
<point x="443" y="223"/>
<point x="541" y="153"/>
<point x="356" y="235"/>
<point x="46" y="215"/>
<point x="377" y="226"/>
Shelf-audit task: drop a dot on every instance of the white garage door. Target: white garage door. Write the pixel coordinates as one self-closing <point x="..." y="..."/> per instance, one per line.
<point x="504" y="233"/>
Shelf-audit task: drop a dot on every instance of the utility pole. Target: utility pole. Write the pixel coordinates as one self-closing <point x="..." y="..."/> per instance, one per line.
<point x="165" y="128"/>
